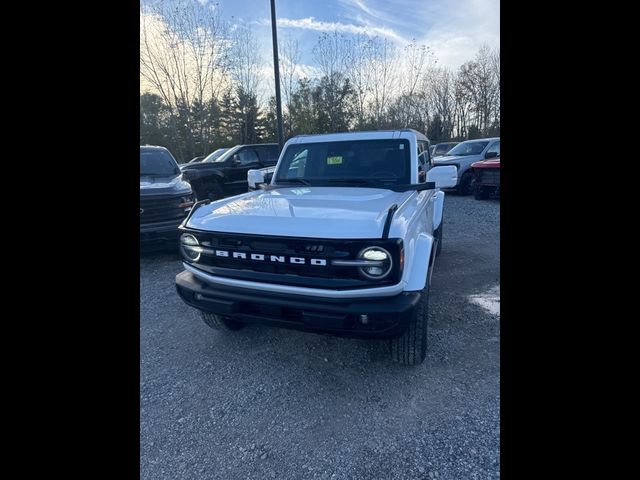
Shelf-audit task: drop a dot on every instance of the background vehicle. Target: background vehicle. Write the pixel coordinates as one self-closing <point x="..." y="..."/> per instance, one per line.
<point x="227" y="174"/>
<point x="486" y="178"/>
<point x="165" y="198"/>
<point x="466" y="153"/>
<point x="196" y="159"/>
<point x="205" y="158"/>
<point x="441" y="149"/>
<point x="342" y="241"/>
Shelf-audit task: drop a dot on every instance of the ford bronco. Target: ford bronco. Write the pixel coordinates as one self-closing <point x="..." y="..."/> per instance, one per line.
<point x="342" y="241"/>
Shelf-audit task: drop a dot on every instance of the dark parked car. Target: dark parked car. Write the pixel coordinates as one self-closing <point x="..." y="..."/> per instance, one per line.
<point x="205" y="158"/>
<point x="441" y="149"/>
<point x="486" y="181"/>
<point x="227" y="174"/>
<point x="196" y="159"/>
<point x="165" y="198"/>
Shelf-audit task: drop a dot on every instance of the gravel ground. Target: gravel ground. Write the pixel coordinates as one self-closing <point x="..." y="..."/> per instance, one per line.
<point x="273" y="403"/>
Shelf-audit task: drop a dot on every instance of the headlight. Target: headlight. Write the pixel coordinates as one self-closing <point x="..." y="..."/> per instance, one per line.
<point x="190" y="247"/>
<point x="381" y="263"/>
<point x="187" y="201"/>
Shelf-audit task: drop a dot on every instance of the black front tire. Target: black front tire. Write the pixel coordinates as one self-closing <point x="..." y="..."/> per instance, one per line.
<point x="218" y="322"/>
<point x="210" y="190"/>
<point x="464" y="187"/>
<point x="411" y="347"/>
<point x="481" y="193"/>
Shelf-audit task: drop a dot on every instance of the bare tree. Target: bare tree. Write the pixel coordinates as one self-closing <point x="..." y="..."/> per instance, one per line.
<point x="245" y="71"/>
<point x="441" y="94"/>
<point x="330" y="54"/>
<point x="183" y="58"/>
<point x="359" y="72"/>
<point x="289" y="75"/>
<point x="383" y="63"/>
<point x="245" y="60"/>
<point x="478" y="80"/>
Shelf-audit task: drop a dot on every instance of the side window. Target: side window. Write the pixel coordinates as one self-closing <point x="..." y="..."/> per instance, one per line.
<point x="247" y="156"/>
<point x="424" y="159"/>
<point x="495" y="148"/>
<point x="297" y="165"/>
<point x="272" y="154"/>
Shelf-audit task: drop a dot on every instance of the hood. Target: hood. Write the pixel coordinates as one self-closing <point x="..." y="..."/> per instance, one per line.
<point x="491" y="163"/>
<point x="309" y="212"/>
<point x="201" y="166"/>
<point x="456" y="158"/>
<point x="152" y="185"/>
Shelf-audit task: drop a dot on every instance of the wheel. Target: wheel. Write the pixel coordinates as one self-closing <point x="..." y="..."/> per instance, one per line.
<point x="464" y="187"/>
<point x="411" y="347"/>
<point x="437" y="234"/>
<point x="480" y="192"/>
<point x="211" y="190"/>
<point x="218" y="322"/>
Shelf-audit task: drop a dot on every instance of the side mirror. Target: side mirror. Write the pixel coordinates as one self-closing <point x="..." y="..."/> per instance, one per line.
<point x="491" y="155"/>
<point x="445" y="176"/>
<point x="255" y="178"/>
<point x="235" y="160"/>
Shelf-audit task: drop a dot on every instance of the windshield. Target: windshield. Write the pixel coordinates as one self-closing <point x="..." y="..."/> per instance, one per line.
<point x="360" y="162"/>
<point x="468" y="148"/>
<point x="225" y="155"/>
<point x="213" y="157"/>
<point x="157" y="163"/>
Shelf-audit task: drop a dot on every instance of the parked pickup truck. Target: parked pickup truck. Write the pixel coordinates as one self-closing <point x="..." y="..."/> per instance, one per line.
<point x="342" y="241"/>
<point x="165" y="198"/>
<point x="464" y="154"/>
<point x="486" y="178"/>
<point x="227" y="174"/>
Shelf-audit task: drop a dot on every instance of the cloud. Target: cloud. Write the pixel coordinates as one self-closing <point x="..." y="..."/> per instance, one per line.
<point x="454" y="29"/>
<point x="465" y="26"/>
<point x="310" y="23"/>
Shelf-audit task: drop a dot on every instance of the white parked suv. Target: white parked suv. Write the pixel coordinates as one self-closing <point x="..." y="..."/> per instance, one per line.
<point x="341" y="241"/>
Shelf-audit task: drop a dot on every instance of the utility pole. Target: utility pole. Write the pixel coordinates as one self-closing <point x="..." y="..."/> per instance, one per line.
<point x="276" y="72"/>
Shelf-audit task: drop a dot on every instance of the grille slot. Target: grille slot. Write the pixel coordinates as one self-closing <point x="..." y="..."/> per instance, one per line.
<point x="161" y="209"/>
<point x="490" y="176"/>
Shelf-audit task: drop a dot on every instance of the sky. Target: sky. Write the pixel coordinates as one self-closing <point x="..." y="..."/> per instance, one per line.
<point x="453" y="29"/>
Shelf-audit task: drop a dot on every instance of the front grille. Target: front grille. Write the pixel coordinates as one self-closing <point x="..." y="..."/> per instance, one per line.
<point x="321" y="276"/>
<point x="490" y="176"/>
<point x="161" y="209"/>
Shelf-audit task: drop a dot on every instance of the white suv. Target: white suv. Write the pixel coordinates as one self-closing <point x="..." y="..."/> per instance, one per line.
<point x="342" y="240"/>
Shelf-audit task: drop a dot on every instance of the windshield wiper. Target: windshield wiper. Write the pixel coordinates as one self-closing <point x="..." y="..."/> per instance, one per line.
<point x="156" y="174"/>
<point x="359" y="181"/>
<point x="294" y="180"/>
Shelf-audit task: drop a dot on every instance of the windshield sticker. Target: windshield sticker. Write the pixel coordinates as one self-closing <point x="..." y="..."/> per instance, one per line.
<point x="401" y="146"/>
<point x="334" y="160"/>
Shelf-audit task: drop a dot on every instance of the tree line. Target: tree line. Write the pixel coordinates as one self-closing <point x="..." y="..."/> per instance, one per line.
<point x="202" y="85"/>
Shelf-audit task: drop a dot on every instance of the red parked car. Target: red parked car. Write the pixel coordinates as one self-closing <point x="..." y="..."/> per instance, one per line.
<point x="486" y="181"/>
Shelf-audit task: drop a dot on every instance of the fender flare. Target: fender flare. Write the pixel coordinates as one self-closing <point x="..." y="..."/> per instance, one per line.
<point x="419" y="263"/>
<point x="207" y="177"/>
<point x="438" y="207"/>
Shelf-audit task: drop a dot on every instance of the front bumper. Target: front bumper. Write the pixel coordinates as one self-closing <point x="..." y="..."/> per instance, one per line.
<point x="388" y="317"/>
<point x="159" y="232"/>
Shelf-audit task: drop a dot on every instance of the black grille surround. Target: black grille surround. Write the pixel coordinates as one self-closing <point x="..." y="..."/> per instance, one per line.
<point x="311" y="276"/>
<point x="161" y="208"/>
<point x="489" y="176"/>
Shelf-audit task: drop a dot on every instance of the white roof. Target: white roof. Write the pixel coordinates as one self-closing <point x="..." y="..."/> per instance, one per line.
<point x="370" y="135"/>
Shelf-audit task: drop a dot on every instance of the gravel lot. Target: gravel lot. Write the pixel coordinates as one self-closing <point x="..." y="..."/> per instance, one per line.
<point x="272" y="403"/>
